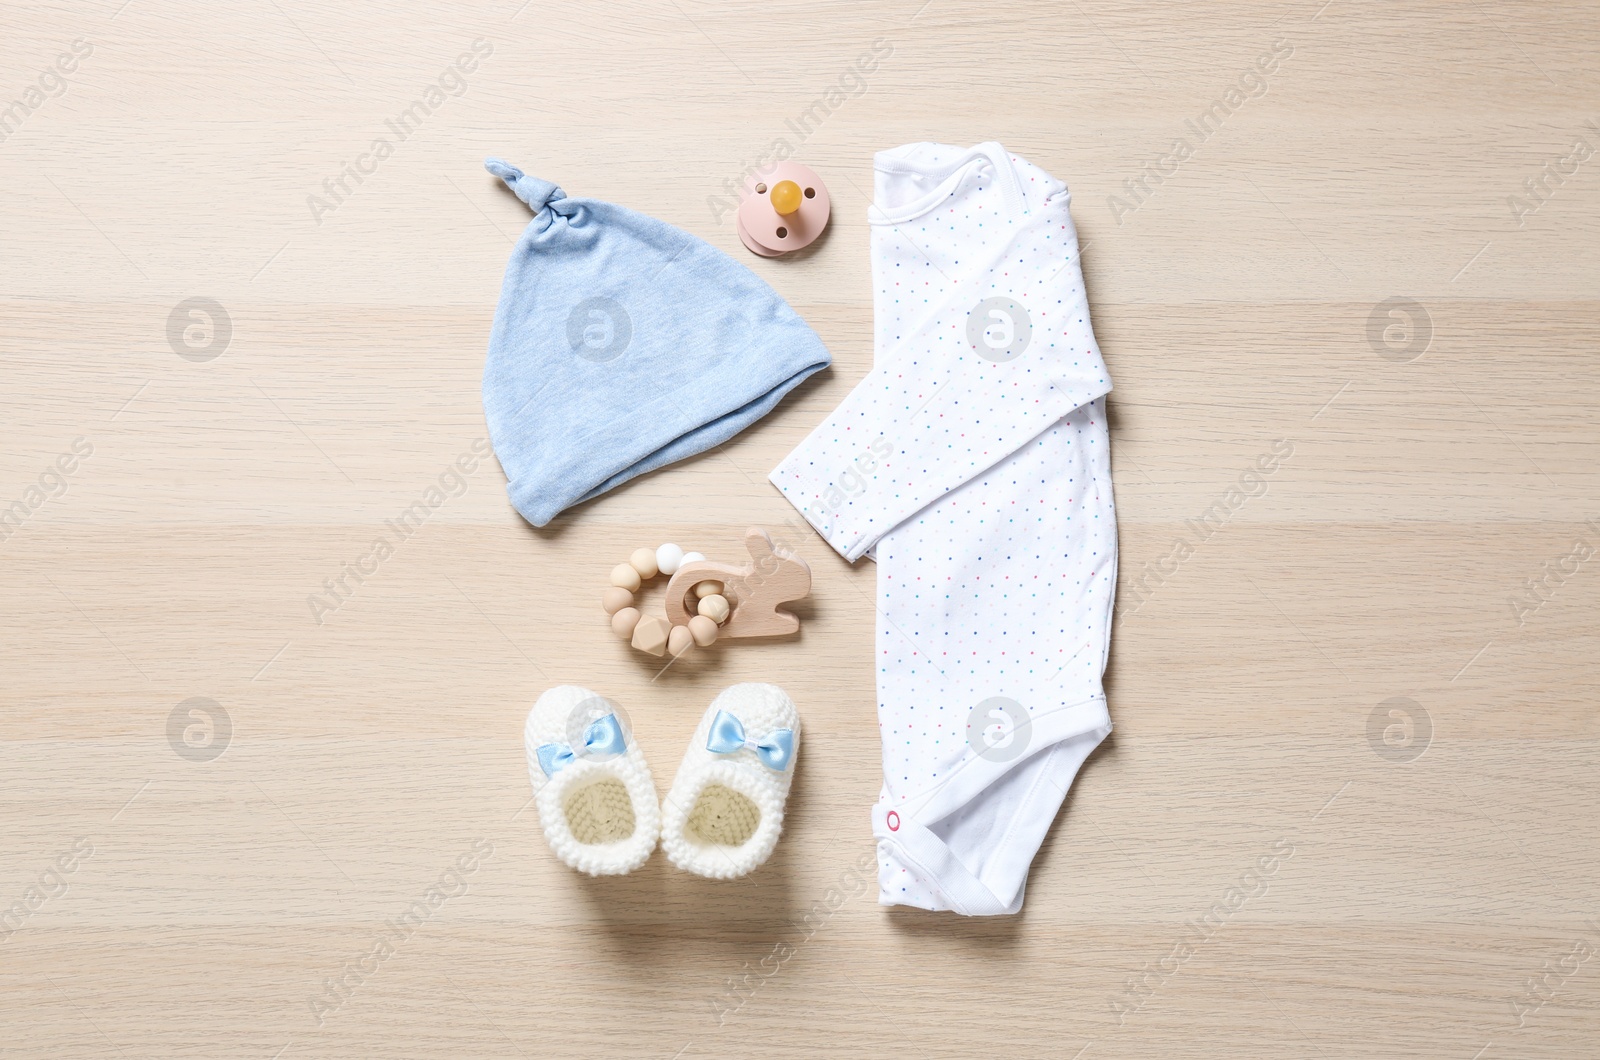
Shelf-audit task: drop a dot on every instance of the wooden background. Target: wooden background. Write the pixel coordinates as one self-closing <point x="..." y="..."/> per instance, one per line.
<point x="1433" y="896"/>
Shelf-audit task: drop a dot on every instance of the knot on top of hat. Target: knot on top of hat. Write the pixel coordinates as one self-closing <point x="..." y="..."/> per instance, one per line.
<point x="531" y="190"/>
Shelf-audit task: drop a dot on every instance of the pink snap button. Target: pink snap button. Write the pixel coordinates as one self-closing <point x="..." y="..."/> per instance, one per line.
<point x="894" y="821"/>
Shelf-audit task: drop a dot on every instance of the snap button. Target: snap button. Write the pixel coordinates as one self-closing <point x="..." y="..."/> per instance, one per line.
<point x="894" y="821"/>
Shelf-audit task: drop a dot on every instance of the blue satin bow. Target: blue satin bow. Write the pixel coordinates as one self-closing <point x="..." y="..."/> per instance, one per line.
<point x="602" y="737"/>
<point x="727" y="736"/>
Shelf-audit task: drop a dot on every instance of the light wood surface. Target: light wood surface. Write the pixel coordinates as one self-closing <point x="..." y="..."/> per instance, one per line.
<point x="1415" y="908"/>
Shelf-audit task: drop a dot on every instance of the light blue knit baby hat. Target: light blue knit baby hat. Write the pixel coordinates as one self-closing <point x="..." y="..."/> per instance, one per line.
<point x="622" y="344"/>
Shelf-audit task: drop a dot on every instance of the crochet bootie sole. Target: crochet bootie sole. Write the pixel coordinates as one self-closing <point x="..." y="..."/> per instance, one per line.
<point x="600" y="813"/>
<point x="722" y="817"/>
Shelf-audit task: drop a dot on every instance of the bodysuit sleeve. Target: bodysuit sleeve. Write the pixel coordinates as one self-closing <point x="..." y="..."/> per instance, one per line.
<point x="987" y="371"/>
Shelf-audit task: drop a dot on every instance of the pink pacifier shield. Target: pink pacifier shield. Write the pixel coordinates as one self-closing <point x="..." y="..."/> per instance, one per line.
<point x="769" y="233"/>
<point x="751" y="245"/>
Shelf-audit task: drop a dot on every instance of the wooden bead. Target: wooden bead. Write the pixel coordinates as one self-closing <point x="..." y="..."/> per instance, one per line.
<point x="715" y="607"/>
<point x="705" y="589"/>
<point x="703" y="630"/>
<point x="650" y="635"/>
<point x="615" y="599"/>
<point x="623" y="576"/>
<point x="643" y="560"/>
<point x="623" y="621"/>
<point x="668" y="558"/>
<point x="679" y="641"/>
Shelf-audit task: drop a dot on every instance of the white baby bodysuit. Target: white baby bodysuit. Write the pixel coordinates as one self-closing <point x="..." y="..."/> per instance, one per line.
<point x="973" y="463"/>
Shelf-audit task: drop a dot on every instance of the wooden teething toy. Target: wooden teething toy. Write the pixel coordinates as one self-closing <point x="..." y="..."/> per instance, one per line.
<point x="786" y="210"/>
<point x="707" y="600"/>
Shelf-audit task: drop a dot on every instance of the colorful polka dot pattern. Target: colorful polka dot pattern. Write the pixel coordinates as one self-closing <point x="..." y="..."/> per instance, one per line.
<point x="983" y="488"/>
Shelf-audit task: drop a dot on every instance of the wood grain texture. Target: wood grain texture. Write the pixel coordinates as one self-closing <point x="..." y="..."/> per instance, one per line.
<point x="1442" y="906"/>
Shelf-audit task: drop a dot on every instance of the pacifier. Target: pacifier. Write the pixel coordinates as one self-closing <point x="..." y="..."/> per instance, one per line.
<point x="786" y="210"/>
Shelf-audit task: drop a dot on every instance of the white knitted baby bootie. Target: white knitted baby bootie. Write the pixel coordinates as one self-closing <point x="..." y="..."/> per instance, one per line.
<point x="596" y="800"/>
<point x="725" y="810"/>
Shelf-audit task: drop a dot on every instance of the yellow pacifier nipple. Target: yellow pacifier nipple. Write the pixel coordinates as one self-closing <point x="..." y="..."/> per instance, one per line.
<point x="786" y="196"/>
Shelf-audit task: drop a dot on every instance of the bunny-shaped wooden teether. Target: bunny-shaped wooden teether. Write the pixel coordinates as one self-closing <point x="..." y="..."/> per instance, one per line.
<point x="754" y="592"/>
